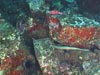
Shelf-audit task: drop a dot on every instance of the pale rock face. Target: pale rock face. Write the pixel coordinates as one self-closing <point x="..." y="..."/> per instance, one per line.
<point x="2" y="72"/>
<point x="97" y="74"/>
<point x="35" y="4"/>
<point x="71" y="1"/>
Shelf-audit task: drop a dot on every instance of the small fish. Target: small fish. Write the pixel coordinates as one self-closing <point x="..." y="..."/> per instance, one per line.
<point x="55" y="12"/>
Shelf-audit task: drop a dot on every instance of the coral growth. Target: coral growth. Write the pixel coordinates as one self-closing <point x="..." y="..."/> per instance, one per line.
<point x="80" y="37"/>
<point x="12" y="62"/>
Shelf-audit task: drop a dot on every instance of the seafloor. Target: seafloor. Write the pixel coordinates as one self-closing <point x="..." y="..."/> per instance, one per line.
<point x="50" y="37"/>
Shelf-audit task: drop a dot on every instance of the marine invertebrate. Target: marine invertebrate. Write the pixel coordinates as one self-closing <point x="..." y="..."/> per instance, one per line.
<point x="54" y="25"/>
<point x="16" y="72"/>
<point x="11" y="63"/>
<point x="78" y="37"/>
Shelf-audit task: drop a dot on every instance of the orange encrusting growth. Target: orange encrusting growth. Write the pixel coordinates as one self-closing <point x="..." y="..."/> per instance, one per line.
<point x="54" y="25"/>
<point x="75" y="36"/>
<point x="34" y="28"/>
<point x="17" y="72"/>
<point x="10" y="64"/>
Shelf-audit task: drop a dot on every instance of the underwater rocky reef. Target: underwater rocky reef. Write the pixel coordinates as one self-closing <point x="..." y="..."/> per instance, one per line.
<point x="50" y="37"/>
